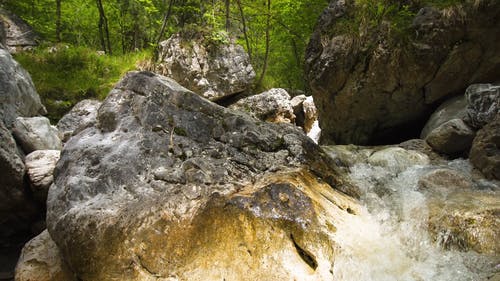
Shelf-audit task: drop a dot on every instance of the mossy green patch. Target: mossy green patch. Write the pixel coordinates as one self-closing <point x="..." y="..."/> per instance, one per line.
<point x="64" y="75"/>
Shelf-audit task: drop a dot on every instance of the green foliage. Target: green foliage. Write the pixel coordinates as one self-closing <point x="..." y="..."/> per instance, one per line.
<point x="70" y="74"/>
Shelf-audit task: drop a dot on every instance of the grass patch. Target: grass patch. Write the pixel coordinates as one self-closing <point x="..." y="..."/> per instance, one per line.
<point x="70" y="74"/>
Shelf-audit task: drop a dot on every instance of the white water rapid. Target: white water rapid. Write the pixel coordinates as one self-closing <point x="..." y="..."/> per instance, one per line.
<point x="390" y="241"/>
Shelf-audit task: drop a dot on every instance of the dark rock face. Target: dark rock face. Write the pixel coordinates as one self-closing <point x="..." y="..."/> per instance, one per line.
<point x="485" y="151"/>
<point x="369" y="86"/>
<point x="18" y="98"/>
<point x="165" y="183"/>
<point x="483" y="104"/>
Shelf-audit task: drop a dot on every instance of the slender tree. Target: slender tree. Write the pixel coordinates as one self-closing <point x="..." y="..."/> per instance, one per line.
<point x="103" y="29"/>
<point x="268" y="39"/>
<point x="58" y="20"/>
<point x="228" y="12"/>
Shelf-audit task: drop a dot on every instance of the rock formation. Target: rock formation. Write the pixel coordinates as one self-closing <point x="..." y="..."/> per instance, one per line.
<point x="369" y="84"/>
<point x="214" y="70"/>
<point x="80" y="117"/>
<point x="16" y="33"/>
<point x="169" y="185"/>
<point x="485" y="151"/>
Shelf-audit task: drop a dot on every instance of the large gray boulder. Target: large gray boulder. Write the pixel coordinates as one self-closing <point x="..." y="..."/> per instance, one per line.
<point x="80" y="117"/>
<point x="483" y="104"/>
<point x="371" y="83"/>
<point x="18" y="96"/>
<point x="167" y="185"/>
<point x="212" y="70"/>
<point x="36" y="133"/>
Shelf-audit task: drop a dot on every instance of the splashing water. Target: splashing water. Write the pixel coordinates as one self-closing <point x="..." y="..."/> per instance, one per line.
<point x="389" y="239"/>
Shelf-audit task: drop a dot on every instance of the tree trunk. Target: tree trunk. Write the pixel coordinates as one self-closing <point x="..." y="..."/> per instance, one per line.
<point x="58" y="21"/>
<point x="162" y="30"/>
<point x="268" y="39"/>
<point x="245" y="34"/>
<point x="103" y="29"/>
<point x="228" y="10"/>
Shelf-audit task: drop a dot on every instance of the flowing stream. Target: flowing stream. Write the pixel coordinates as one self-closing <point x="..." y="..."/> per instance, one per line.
<point x="390" y="239"/>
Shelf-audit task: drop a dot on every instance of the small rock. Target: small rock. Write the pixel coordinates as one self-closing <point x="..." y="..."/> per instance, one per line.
<point x="40" y="165"/>
<point x="41" y="261"/>
<point x="36" y="133"/>
<point x="454" y="108"/>
<point x="451" y="137"/>
<point x="273" y="105"/>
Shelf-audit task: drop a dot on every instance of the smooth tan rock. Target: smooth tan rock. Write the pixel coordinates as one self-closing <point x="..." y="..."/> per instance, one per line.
<point x="397" y="159"/>
<point x="40" y="165"/>
<point x="444" y="179"/>
<point x="40" y="260"/>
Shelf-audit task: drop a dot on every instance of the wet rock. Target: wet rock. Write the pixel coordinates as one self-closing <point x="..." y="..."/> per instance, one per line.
<point x="273" y="106"/>
<point x="40" y="260"/>
<point x="451" y="137"/>
<point x="40" y="165"/>
<point x="485" y="151"/>
<point x="169" y="185"/>
<point x="465" y="221"/>
<point x="18" y="95"/>
<point x="444" y="179"/>
<point x="483" y="104"/>
<point x="80" y="117"/>
<point x="397" y="159"/>
<point x="212" y="70"/>
<point x="36" y="133"/>
<point x="423" y="147"/>
<point x="369" y="86"/>
<point x="454" y="108"/>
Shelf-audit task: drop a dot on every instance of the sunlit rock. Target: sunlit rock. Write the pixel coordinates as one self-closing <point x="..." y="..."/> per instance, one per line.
<point x="40" y="166"/>
<point x="397" y="159"/>
<point x="167" y="185"/>
<point x="36" y="133"/>
<point x="81" y="116"/>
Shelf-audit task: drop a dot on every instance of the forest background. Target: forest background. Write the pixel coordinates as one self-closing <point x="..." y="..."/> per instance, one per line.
<point x="275" y="33"/>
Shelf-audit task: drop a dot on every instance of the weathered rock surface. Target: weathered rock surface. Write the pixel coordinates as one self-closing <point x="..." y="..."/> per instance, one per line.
<point x="273" y="106"/>
<point x="483" y="104"/>
<point x="36" y="133"/>
<point x="40" y="165"/>
<point x="485" y="151"/>
<point x="423" y="147"/>
<point x="80" y="117"/>
<point x="40" y="260"/>
<point x="18" y="34"/>
<point x="466" y="220"/>
<point x="454" y="108"/>
<point x="18" y="96"/>
<point x="451" y="137"/>
<point x="372" y="87"/>
<point x="213" y="71"/>
<point x="444" y="179"/>
<point x="168" y="186"/>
